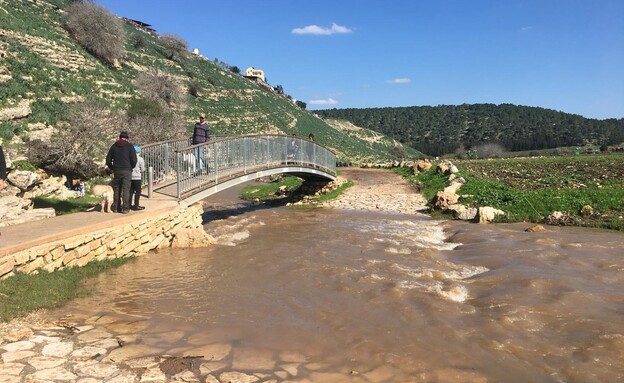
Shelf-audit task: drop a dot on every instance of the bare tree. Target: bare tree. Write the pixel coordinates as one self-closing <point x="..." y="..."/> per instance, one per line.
<point x="74" y="150"/>
<point x="97" y="30"/>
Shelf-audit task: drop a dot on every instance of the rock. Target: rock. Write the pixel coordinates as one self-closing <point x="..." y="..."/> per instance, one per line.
<point x="462" y="212"/>
<point x="237" y="377"/>
<point x="197" y="237"/>
<point x="423" y="165"/>
<point x="39" y="131"/>
<point x="23" y="179"/>
<point x="535" y="228"/>
<point x="21" y="110"/>
<point x="453" y="169"/>
<point x="487" y="214"/>
<point x="443" y="167"/>
<point x="587" y="211"/>
<point x="442" y="199"/>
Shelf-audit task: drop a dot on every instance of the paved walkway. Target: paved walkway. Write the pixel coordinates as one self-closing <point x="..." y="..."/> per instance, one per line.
<point x="30" y="234"/>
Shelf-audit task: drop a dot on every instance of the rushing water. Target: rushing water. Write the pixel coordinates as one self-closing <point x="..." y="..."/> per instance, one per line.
<point x="348" y="296"/>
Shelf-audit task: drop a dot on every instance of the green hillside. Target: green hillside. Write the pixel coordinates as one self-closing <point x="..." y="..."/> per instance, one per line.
<point x="45" y="70"/>
<point x="443" y="129"/>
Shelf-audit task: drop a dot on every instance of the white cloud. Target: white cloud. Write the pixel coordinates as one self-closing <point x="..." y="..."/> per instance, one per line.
<point x="524" y="29"/>
<point x="316" y="30"/>
<point x="328" y="101"/>
<point x="403" y="80"/>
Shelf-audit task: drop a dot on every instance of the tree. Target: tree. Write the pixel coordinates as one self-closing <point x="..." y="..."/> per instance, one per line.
<point x="175" y="46"/>
<point x="301" y="104"/>
<point x="97" y="30"/>
<point x="72" y="151"/>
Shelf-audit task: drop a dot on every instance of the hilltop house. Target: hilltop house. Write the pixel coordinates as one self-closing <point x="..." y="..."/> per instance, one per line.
<point x="255" y="74"/>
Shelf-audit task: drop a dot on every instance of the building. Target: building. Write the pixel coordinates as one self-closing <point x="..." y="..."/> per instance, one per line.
<point x="255" y="74"/>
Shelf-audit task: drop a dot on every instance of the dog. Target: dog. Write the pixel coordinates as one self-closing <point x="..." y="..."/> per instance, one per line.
<point x="106" y="192"/>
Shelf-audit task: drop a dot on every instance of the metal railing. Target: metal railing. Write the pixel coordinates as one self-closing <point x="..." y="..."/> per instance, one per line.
<point x="220" y="159"/>
<point x="160" y="157"/>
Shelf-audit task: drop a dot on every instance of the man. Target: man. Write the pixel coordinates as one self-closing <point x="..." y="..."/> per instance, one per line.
<point x="3" y="169"/>
<point x="121" y="159"/>
<point x="201" y="135"/>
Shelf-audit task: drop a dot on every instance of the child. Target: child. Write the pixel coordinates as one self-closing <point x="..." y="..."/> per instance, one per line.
<point x="135" y="186"/>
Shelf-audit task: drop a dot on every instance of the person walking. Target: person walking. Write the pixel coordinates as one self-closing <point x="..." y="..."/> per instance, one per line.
<point x="135" y="186"/>
<point x="121" y="159"/>
<point x="201" y="135"/>
<point x="3" y="169"/>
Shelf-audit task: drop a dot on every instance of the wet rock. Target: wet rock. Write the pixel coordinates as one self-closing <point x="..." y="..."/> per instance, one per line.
<point x="487" y="214"/>
<point x="196" y="237"/>
<point x="237" y="377"/>
<point x="535" y="228"/>
<point x="215" y="352"/>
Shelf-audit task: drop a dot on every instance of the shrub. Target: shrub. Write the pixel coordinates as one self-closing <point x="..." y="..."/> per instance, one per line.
<point x="194" y="88"/>
<point x="138" y="41"/>
<point x="160" y="87"/>
<point x="174" y="45"/>
<point x="23" y="165"/>
<point x="97" y="30"/>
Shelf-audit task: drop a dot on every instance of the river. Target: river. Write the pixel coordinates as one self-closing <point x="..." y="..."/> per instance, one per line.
<point x="345" y="295"/>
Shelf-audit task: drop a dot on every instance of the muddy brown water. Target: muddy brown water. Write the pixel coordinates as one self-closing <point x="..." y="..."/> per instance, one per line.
<point x="379" y="297"/>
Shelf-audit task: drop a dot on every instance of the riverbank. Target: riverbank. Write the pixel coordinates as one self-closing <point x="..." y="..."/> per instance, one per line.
<point x="72" y="348"/>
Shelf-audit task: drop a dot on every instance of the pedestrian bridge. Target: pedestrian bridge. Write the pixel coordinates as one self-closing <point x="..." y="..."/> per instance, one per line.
<point x="193" y="172"/>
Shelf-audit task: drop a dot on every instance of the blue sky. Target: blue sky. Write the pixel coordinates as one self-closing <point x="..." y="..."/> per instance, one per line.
<point x="566" y="55"/>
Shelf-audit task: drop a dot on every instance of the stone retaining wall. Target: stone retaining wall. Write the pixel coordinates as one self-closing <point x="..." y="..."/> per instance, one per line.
<point x="135" y="238"/>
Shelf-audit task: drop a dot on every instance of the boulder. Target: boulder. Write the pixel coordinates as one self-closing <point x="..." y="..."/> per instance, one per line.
<point x="423" y="165"/>
<point x="487" y="214"/>
<point x="23" y="179"/>
<point x="443" y="199"/>
<point x="535" y="228"/>
<point x="191" y="237"/>
<point x="462" y="212"/>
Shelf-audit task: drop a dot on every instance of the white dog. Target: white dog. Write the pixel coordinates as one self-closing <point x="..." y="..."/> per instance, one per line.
<point x="106" y="192"/>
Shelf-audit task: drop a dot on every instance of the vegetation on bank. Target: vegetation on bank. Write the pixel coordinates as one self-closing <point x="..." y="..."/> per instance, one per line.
<point x="24" y="293"/>
<point x="264" y="192"/>
<point x="284" y="188"/>
<point x="66" y="206"/>
<point x="589" y="189"/>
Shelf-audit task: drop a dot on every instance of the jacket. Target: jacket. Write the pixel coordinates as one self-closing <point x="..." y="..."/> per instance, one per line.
<point x="138" y="170"/>
<point x="201" y="133"/>
<point x="121" y="156"/>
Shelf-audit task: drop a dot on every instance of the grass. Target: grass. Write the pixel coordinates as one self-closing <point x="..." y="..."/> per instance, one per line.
<point x="530" y="189"/>
<point x="67" y="206"/>
<point x="269" y="191"/>
<point x="335" y="193"/>
<point x="24" y="293"/>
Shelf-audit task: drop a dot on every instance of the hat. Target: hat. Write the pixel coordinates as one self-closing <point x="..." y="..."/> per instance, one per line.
<point x="202" y="115"/>
<point x="137" y="148"/>
<point x="124" y="135"/>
